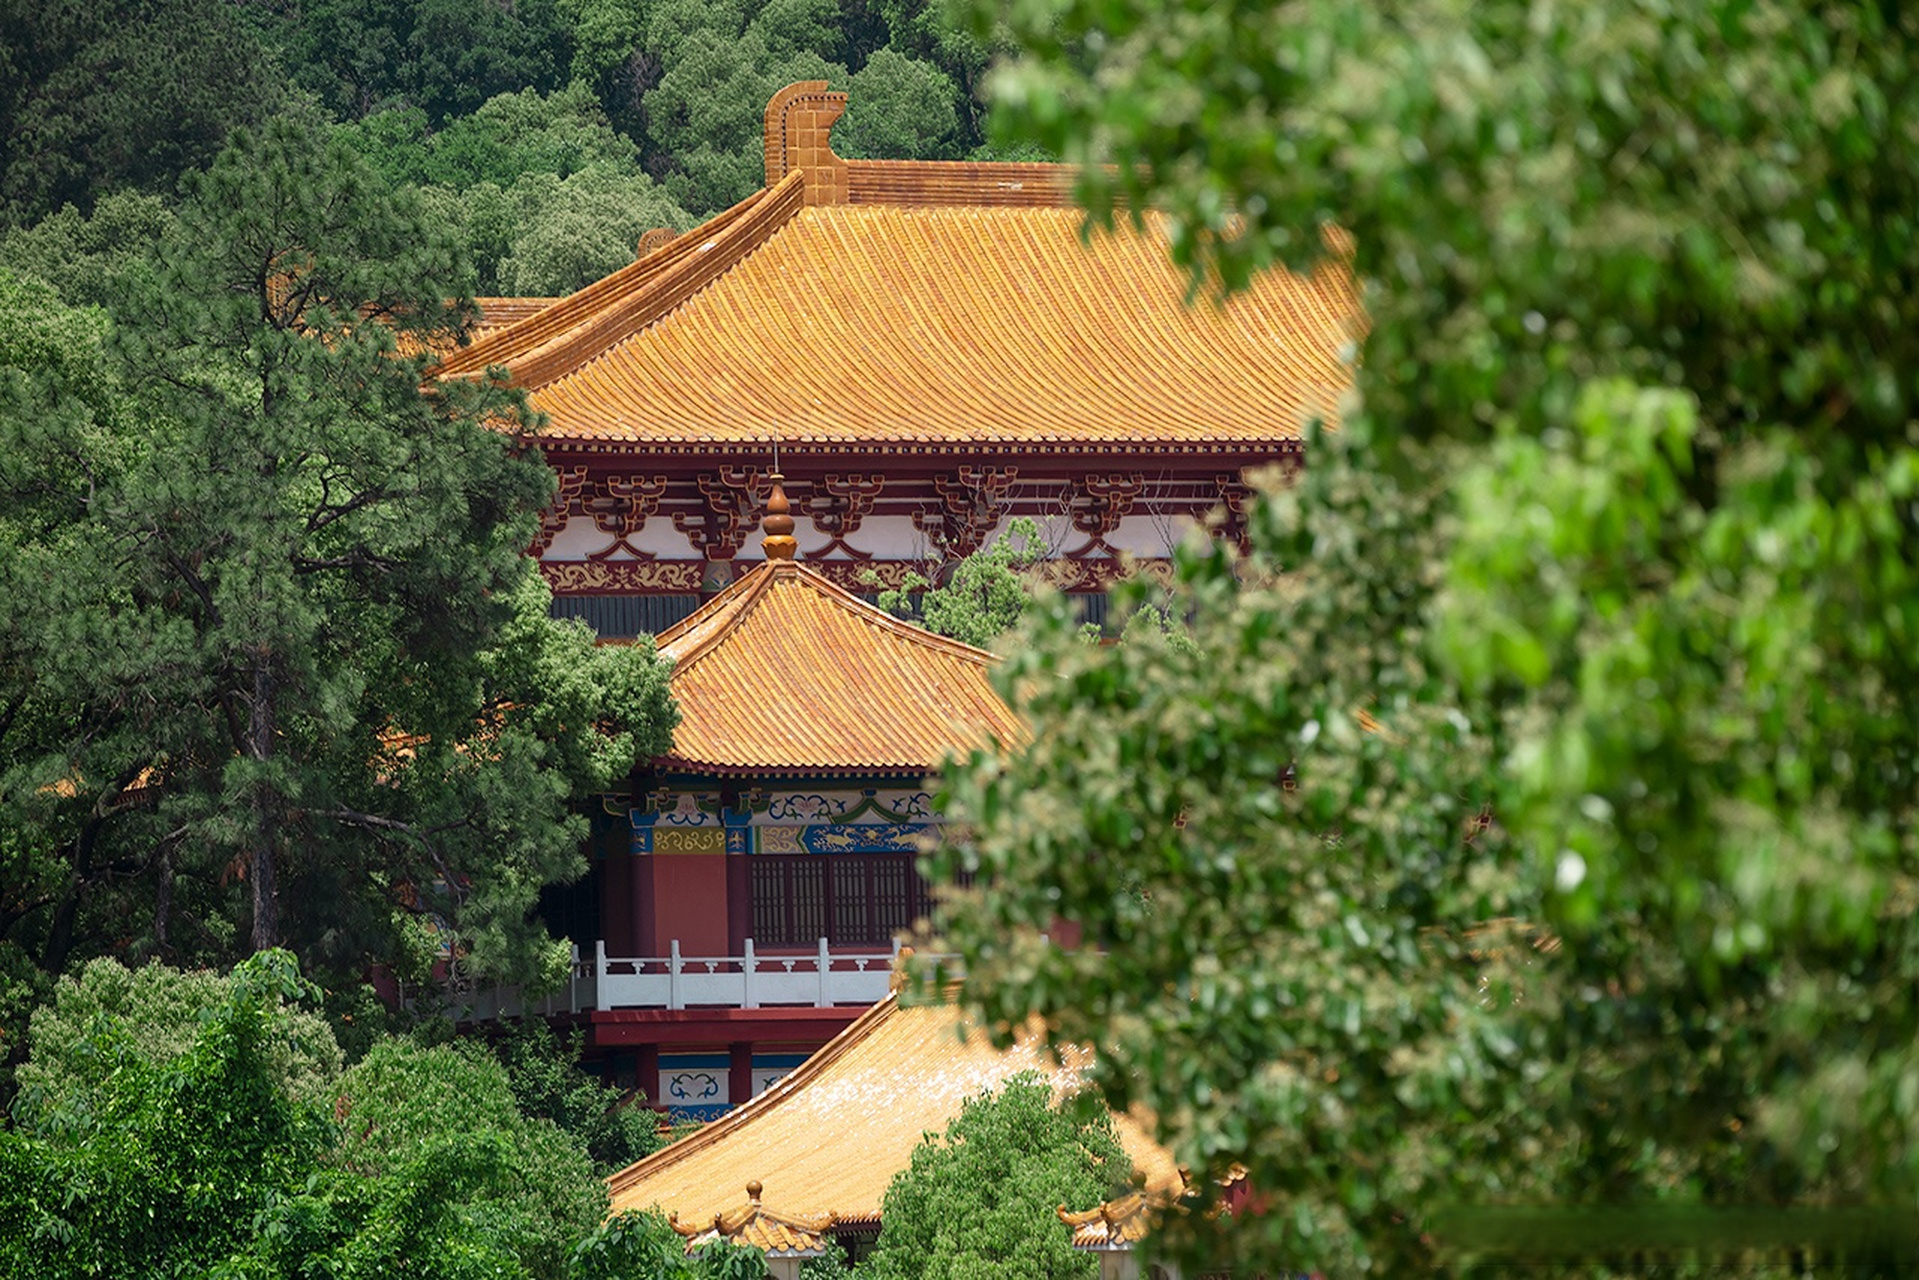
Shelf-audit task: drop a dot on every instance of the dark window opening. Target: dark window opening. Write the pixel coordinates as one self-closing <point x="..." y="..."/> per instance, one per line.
<point x="851" y="899"/>
<point x="623" y="617"/>
<point x="573" y="910"/>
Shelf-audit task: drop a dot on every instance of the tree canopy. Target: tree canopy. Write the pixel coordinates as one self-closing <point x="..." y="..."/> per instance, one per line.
<point x="275" y="665"/>
<point x="978" y="597"/>
<point x="981" y="1199"/>
<point x="96" y="102"/>
<point x="185" y="1140"/>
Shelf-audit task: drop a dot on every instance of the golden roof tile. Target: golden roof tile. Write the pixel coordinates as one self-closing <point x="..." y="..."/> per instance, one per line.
<point x="905" y="304"/>
<point x="838" y="1128"/>
<point x="501" y="313"/>
<point x="786" y="672"/>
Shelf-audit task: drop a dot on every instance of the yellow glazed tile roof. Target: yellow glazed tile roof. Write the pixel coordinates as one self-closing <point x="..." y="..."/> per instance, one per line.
<point x="501" y="313"/>
<point x="783" y="671"/>
<point x="903" y="304"/>
<point x="828" y="1138"/>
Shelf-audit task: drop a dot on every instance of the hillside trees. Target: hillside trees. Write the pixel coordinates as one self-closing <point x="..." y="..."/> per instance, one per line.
<point x="898" y="108"/>
<point x="540" y="191"/>
<point x="1641" y="311"/>
<point x="277" y="667"/>
<point x="83" y="255"/>
<point x="97" y="99"/>
<point x="445" y="57"/>
<point x="184" y="1139"/>
<point x="94" y="103"/>
<point x="704" y="116"/>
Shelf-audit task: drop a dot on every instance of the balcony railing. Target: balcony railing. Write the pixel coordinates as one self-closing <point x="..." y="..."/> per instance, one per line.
<point x="818" y="979"/>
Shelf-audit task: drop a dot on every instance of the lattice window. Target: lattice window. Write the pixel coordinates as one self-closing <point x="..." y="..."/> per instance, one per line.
<point x="850" y="899"/>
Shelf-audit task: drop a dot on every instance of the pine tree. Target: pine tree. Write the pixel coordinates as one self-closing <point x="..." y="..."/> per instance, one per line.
<point x="282" y="636"/>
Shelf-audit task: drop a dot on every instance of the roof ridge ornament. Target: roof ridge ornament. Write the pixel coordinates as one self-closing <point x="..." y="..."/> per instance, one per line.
<point x="799" y="135"/>
<point x="777" y="525"/>
<point x="786" y="1239"/>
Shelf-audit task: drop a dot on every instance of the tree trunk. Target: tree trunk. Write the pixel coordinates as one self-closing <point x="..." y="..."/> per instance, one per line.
<point x="53" y="956"/>
<point x="163" y="902"/>
<point x="266" y="899"/>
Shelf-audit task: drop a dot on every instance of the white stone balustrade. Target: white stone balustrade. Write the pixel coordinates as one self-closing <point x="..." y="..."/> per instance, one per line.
<point x="820" y="979"/>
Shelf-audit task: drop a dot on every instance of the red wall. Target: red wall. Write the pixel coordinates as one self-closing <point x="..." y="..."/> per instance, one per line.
<point x="689" y="901"/>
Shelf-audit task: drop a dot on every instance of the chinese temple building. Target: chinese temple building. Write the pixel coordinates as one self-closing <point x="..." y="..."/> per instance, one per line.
<point x="743" y="904"/>
<point x="929" y="349"/>
<point x="917" y="353"/>
<point x="823" y="1144"/>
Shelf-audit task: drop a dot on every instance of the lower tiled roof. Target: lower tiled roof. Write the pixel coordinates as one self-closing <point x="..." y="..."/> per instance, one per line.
<point x="829" y="1137"/>
<point x="775" y="1234"/>
<point x="1116" y="1224"/>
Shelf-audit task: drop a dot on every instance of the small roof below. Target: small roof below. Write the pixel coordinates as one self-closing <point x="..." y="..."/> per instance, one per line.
<point x="1114" y="1225"/>
<point x="832" y="1134"/>
<point x="778" y="1235"/>
<point x="783" y="672"/>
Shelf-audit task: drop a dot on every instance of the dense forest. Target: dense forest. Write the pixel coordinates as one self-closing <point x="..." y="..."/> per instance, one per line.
<point x="547" y="134"/>
<point x="1546" y="834"/>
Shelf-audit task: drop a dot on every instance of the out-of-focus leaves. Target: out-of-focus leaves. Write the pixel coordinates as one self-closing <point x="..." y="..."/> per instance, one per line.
<point x="1641" y="283"/>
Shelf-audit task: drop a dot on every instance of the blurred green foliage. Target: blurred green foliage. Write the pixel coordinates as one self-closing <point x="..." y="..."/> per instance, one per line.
<point x="1601" y="612"/>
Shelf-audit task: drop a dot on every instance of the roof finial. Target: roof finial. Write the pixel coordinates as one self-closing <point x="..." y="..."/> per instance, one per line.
<point x="778" y="525"/>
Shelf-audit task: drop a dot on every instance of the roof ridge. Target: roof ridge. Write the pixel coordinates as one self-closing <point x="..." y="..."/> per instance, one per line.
<point x="529" y="332"/>
<point x="737" y="598"/>
<point x="585" y="324"/>
<point x="828" y="1054"/>
<point x="931" y="183"/>
<point x="701" y="263"/>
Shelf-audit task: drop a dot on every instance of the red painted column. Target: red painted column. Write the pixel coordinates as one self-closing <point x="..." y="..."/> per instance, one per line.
<point x="644" y="939"/>
<point x="738" y="904"/>
<point x="616" y="924"/>
<point x="647" y="1073"/>
<point x="737" y="919"/>
<point x="739" y="1075"/>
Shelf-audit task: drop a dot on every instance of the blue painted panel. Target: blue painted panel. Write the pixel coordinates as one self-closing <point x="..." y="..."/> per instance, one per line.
<point x="864" y="837"/>
<point x="683" y="1061"/>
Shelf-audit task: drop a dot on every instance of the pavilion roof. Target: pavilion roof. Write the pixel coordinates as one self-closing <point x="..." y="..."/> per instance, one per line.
<point x="784" y="672"/>
<point x="1116" y="1224"/>
<point x="780" y="1235"/>
<point x="829" y="1137"/>
<point x="908" y="305"/>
